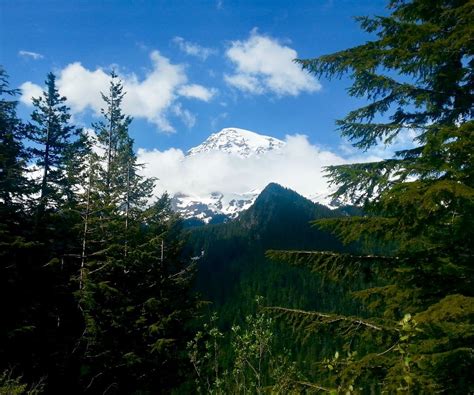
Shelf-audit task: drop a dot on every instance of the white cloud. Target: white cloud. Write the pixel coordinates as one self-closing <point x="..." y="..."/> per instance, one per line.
<point x="29" y="91"/>
<point x="193" y="49"/>
<point x="30" y="54"/>
<point x="153" y="98"/>
<point x="264" y="65"/>
<point x="297" y="165"/>
<point x="197" y="92"/>
<point x="82" y="87"/>
<point x="246" y="82"/>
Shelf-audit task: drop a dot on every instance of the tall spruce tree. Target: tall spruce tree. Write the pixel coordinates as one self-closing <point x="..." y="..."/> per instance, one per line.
<point x="14" y="244"/>
<point x="418" y="76"/>
<point x="57" y="149"/>
<point x="13" y="156"/>
<point x="44" y="325"/>
<point x="133" y="286"/>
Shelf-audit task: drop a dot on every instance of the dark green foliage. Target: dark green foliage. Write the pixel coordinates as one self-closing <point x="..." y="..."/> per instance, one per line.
<point x="13" y="155"/>
<point x="95" y="293"/>
<point x="255" y="365"/>
<point x="232" y="269"/>
<point x="133" y="285"/>
<point x="10" y="385"/>
<point x="418" y="76"/>
<point x="56" y="150"/>
<point x="40" y="321"/>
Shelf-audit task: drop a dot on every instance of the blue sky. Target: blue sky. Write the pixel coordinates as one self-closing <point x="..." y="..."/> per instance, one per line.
<point x="123" y="34"/>
<point x="192" y="67"/>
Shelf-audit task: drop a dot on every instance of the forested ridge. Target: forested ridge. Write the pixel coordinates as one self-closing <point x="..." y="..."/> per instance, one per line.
<point x="104" y="290"/>
<point x="231" y="256"/>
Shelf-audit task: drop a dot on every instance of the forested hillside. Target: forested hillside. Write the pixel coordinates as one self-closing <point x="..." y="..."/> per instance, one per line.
<point x="232" y="267"/>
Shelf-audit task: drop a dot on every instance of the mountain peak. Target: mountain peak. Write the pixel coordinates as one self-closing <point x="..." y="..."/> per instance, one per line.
<point x="277" y="204"/>
<point x="273" y="187"/>
<point x="276" y="191"/>
<point x="239" y="142"/>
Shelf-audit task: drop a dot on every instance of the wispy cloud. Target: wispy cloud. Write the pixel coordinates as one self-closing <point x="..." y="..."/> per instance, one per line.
<point x="30" y="55"/>
<point x="215" y="121"/>
<point x="193" y="49"/>
<point x="264" y="65"/>
<point x="404" y="140"/>
<point x="197" y="92"/>
<point x="156" y="97"/>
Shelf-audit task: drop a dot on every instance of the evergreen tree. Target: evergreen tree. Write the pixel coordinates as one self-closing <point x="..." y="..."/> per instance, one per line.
<point x="418" y="76"/>
<point x="133" y="286"/>
<point x="13" y="156"/>
<point x="14" y="243"/>
<point x="57" y="149"/>
<point x="40" y="252"/>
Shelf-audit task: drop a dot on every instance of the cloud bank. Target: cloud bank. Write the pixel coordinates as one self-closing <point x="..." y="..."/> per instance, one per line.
<point x="153" y="98"/>
<point x="263" y="65"/>
<point x="298" y="165"/>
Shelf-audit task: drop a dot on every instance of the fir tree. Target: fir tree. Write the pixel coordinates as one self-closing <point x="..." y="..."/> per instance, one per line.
<point x="13" y="156"/>
<point x="420" y="203"/>
<point x="133" y="286"/>
<point x="42" y="324"/>
<point x="56" y="150"/>
<point x="14" y="244"/>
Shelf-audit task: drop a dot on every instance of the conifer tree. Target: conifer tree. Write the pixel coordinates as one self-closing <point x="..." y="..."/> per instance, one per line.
<point x="13" y="156"/>
<point x="133" y="286"/>
<point x="418" y="76"/>
<point x="13" y="224"/>
<point x="57" y="148"/>
<point x="42" y="322"/>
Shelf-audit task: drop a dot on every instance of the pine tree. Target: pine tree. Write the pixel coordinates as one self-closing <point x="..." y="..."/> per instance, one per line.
<point x="13" y="156"/>
<point x="133" y="286"/>
<point x="42" y="322"/>
<point x="14" y="244"/>
<point x="418" y="76"/>
<point x="57" y="149"/>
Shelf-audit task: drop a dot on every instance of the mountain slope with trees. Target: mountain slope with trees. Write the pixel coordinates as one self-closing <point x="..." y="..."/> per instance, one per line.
<point x="232" y="267"/>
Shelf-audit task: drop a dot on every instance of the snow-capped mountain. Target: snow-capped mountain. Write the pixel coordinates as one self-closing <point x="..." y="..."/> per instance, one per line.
<point x="217" y="206"/>
<point x="232" y="141"/>
<point x="240" y="142"/>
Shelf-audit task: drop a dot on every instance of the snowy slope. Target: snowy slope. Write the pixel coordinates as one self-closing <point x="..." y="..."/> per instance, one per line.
<point x="240" y="142"/>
